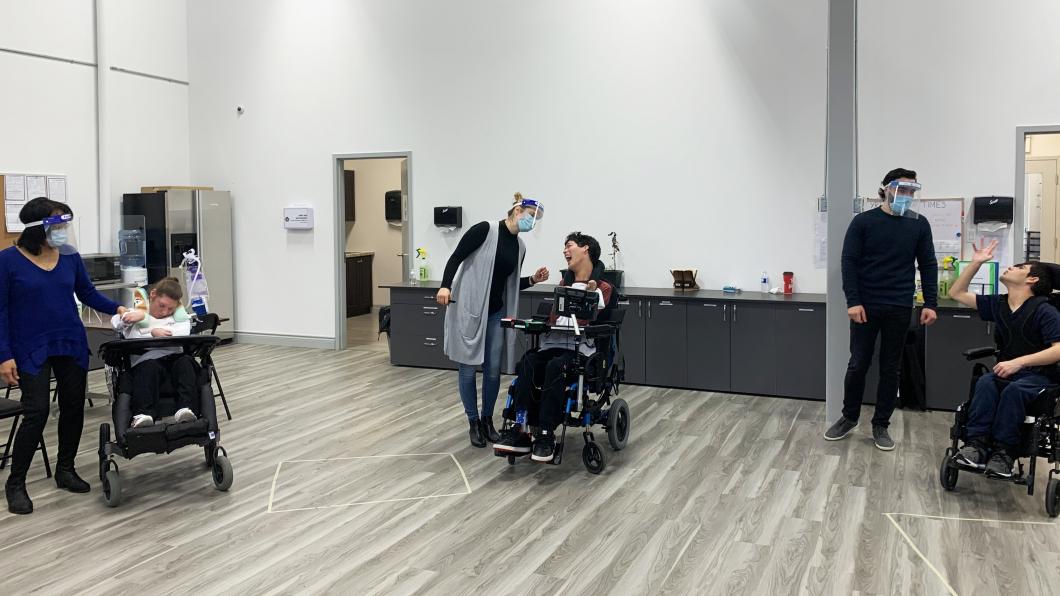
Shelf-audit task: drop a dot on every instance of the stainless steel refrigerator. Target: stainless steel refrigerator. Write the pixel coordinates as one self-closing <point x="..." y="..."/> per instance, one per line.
<point x="175" y="220"/>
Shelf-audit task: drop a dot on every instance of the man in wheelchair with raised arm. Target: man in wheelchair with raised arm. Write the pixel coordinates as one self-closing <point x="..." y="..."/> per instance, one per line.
<point x="1027" y="333"/>
<point x="541" y="382"/>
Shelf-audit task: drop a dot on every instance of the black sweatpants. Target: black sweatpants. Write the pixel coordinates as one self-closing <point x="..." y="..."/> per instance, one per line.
<point x="70" y="380"/>
<point x="147" y="377"/>
<point x="891" y="323"/>
<point x="541" y="374"/>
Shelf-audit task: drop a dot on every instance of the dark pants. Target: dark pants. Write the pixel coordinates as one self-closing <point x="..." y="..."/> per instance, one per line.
<point x="891" y="323"/>
<point x="147" y="377"/>
<point x="541" y="373"/>
<point x="70" y="379"/>
<point x="998" y="414"/>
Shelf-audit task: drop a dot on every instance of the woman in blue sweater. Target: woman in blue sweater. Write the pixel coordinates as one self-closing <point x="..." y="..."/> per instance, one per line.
<point x="41" y="334"/>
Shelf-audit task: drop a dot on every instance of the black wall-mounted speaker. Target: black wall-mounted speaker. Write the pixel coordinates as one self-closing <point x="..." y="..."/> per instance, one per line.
<point x="449" y="217"/>
<point x="393" y="205"/>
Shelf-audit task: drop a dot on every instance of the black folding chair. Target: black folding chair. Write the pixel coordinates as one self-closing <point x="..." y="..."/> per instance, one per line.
<point x="209" y="323"/>
<point x="10" y="408"/>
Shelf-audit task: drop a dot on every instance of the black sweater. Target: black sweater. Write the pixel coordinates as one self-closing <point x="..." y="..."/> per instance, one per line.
<point x="878" y="254"/>
<point x="506" y="262"/>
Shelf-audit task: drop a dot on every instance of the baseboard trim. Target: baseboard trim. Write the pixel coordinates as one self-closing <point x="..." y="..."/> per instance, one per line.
<point x="290" y="341"/>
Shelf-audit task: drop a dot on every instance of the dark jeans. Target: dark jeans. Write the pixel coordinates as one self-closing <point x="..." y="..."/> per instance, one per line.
<point x="998" y="414"/>
<point x="70" y="380"/>
<point x="541" y="373"/>
<point x="891" y="323"/>
<point x="147" y="378"/>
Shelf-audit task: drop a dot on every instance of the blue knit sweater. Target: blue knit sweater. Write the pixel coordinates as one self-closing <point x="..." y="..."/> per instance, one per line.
<point x="38" y="315"/>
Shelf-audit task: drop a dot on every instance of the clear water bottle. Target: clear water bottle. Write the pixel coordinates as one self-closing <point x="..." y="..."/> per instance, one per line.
<point x="414" y="276"/>
<point x="765" y="282"/>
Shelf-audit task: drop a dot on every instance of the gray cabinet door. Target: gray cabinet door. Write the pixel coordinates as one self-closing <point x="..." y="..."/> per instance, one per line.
<point x="800" y="337"/>
<point x="707" y="358"/>
<point x="948" y="373"/>
<point x="631" y="340"/>
<point x="754" y="354"/>
<point x="664" y="341"/>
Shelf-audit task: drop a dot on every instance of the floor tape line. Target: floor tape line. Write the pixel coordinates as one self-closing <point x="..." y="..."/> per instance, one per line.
<point x="973" y="519"/>
<point x="913" y="546"/>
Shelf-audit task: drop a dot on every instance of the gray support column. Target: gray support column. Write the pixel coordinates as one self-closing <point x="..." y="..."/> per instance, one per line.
<point x="840" y="186"/>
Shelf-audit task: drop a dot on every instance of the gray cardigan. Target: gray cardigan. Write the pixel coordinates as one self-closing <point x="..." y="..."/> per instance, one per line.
<point x="465" y="320"/>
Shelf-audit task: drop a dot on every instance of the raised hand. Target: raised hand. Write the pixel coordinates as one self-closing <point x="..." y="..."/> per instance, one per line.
<point x="984" y="253"/>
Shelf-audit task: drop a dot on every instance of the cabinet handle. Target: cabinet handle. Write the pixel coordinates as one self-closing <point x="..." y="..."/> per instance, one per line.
<point x="666" y="303"/>
<point x="649" y="309"/>
<point x="710" y="305"/>
<point x="962" y="316"/>
<point x="724" y="313"/>
<point x="733" y="313"/>
<point x="430" y="308"/>
<point x="549" y="299"/>
<point x="430" y="344"/>
<point x="428" y="313"/>
<point x="805" y="310"/>
<point x="431" y="298"/>
<point x="639" y="310"/>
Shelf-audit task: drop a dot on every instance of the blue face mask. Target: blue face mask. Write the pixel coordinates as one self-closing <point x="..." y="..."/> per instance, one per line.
<point x="900" y="204"/>
<point x="526" y="223"/>
<point x="57" y="237"/>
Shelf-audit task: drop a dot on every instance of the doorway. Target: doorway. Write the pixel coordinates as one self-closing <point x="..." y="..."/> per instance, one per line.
<point x="1040" y="194"/>
<point x="373" y="241"/>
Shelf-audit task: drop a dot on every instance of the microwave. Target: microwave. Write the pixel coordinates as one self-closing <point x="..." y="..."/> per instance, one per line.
<point x="102" y="267"/>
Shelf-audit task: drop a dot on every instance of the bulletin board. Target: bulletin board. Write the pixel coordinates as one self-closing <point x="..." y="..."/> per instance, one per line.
<point x="20" y="188"/>
<point x="946" y="217"/>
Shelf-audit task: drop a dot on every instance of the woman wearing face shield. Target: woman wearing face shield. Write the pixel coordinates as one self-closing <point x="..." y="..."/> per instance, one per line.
<point x="42" y="335"/>
<point x="481" y="286"/>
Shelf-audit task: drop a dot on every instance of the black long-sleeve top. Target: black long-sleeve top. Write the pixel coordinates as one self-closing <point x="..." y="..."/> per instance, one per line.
<point x="878" y="255"/>
<point x="506" y="262"/>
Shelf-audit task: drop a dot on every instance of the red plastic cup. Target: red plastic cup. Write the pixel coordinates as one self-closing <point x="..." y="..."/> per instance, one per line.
<point x="789" y="282"/>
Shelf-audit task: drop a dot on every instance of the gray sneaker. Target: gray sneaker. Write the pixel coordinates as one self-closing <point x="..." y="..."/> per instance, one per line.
<point x="840" y="429"/>
<point x="882" y="438"/>
<point x="972" y="455"/>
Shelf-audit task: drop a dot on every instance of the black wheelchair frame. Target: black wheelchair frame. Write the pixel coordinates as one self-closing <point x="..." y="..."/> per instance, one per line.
<point x="1040" y="435"/>
<point x="165" y="437"/>
<point x="588" y="398"/>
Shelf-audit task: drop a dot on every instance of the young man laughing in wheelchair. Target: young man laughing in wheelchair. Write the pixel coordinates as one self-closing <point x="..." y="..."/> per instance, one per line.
<point x="542" y="373"/>
<point x="1027" y="334"/>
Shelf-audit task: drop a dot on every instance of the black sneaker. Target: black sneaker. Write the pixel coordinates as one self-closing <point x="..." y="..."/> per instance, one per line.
<point x="544" y="446"/>
<point x="882" y="438"/>
<point x="972" y="455"/>
<point x="840" y="429"/>
<point x="475" y="433"/>
<point x="488" y="431"/>
<point x="513" y="440"/>
<point x="1000" y="465"/>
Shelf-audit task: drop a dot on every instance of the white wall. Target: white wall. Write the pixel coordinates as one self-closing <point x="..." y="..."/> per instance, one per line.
<point x="371" y="232"/>
<point x="48" y="114"/>
<point x="640" y="117"/>
<point x="942" y="90"/>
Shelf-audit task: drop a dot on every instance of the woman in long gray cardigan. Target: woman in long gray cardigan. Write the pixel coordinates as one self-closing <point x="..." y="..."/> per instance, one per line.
<point x="481" y="286"/>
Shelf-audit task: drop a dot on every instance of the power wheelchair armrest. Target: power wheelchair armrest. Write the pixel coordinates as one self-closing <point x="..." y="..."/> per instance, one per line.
<point x="978" y="353"/>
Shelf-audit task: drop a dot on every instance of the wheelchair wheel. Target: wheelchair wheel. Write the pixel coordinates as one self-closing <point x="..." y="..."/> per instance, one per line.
<point x="618" y="424"/>
<point x="593" y="458"/>
<point x="222" y="473"/>
<point x="104" y="438"/>
<point x="1052" y="497"/>
<point x="112" y="488"/>
<point x="947" y="473"/>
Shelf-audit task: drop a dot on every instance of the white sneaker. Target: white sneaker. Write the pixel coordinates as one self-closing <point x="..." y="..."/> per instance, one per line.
<point x="142" y="420"/>
<point x="184" y="415"/>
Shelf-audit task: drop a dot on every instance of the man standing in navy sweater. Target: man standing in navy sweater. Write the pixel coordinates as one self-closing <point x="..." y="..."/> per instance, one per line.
<point x="879" y="280"/>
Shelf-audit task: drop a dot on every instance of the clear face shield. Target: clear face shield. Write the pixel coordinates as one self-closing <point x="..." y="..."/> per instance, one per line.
<point x="59" y="232"/>
<point x="533" y="212"/>
<point x="904" y="198"/>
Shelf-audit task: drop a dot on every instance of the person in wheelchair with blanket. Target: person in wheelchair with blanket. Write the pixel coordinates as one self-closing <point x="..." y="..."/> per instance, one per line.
<point x="542" y="374"/>
<point x="1027" y="333"/>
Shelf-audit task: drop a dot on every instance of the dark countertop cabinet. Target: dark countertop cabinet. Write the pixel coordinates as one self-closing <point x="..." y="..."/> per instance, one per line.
<point x="358" y="284"/>
<point x="753" y="343"/>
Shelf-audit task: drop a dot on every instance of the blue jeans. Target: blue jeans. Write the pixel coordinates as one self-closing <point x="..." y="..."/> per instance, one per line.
<point x="491" y="372"/>
<point x="998" y="415"/>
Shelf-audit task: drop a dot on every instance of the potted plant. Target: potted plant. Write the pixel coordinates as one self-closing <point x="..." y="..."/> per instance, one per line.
<point x="613" y="275"/>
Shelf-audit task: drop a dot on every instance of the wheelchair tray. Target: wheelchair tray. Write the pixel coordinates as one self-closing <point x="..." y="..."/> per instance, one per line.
<point x="532" y="327"/>
<point x="197" y="346"/>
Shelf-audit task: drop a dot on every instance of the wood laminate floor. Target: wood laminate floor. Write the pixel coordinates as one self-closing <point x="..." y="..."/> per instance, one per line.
<point x="356" y="477"/>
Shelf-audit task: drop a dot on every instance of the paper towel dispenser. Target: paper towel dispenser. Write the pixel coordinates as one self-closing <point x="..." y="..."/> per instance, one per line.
<point x="986" y="209"/>
<point x="448" y="217"/>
